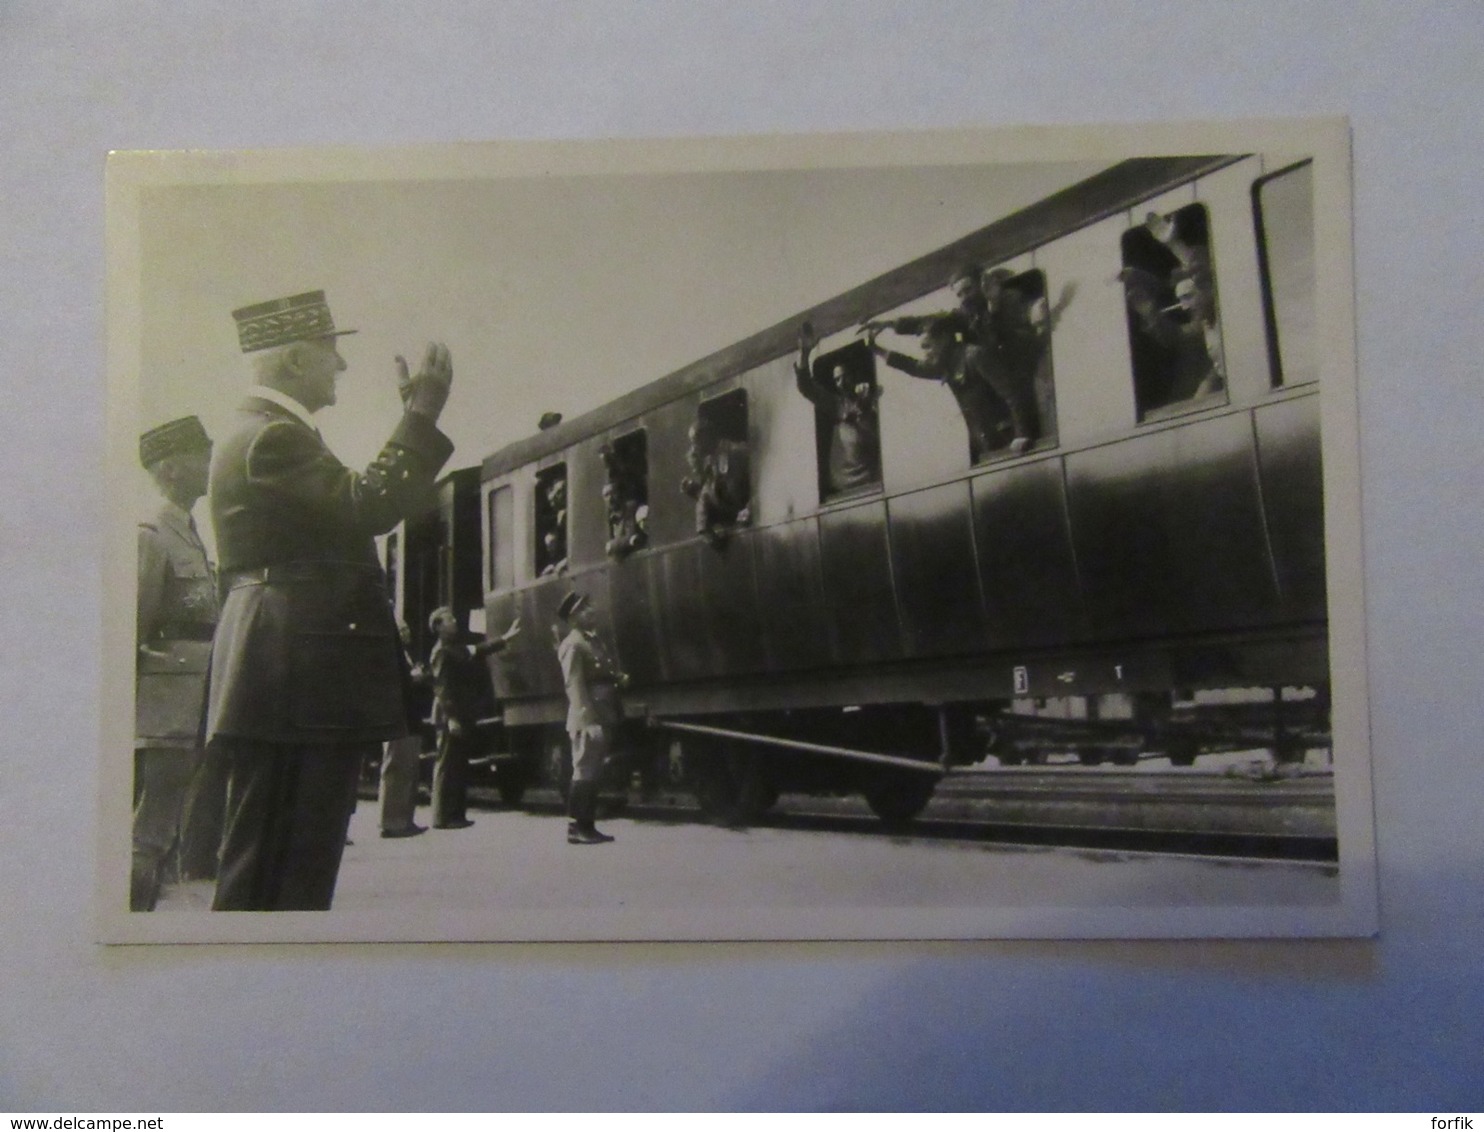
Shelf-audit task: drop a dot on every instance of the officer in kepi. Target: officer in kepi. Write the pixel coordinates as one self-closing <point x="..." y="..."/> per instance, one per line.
<point x="177" y="612"/>
<point x="592" y="682"/>
<point x="306" y="671"/>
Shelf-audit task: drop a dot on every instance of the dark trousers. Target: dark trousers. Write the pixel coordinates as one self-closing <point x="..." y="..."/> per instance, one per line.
<point x="451" y="776"/>
<point x="201" y="819"/>
<point x="1010" y="383"/>
<point x="288" y="807"/>
<point x="161" y="779"/>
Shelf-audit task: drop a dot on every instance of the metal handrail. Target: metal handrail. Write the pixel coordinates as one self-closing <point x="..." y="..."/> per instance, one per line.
<point x="801" y="745"/>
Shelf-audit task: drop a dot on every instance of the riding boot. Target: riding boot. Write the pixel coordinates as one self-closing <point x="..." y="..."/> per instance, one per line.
<point x="583" y="808"/>
<point x="144" y="886"/>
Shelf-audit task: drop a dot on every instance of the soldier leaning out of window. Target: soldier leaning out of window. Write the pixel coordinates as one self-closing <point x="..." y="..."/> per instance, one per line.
<point x="719" y="482"/>
<point x="854" y="457"/>
<point x="627" y="511"/>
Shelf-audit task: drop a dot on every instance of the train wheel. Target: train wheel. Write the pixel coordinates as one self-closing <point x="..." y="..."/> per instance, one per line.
<point x="1091" y="756"/>
<point x="511" y="781"/>
<point x="1181" y="752"/>
<point x="898" y="798"/>
<point x="731" y="785"/>
<point x="1287" y="752"/>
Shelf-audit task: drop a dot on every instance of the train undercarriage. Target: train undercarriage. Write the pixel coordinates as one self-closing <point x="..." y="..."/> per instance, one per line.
<point x="738" y="764"/>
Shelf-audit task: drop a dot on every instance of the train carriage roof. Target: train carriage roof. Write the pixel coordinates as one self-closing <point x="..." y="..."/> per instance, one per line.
<point x="1104" y="194"/>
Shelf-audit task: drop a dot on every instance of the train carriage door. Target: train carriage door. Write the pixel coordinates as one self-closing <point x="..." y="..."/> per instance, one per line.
<point x="1173" y="320"/>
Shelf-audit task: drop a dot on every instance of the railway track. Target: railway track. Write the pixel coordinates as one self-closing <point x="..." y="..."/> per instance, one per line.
<point x="1207" y="814"/>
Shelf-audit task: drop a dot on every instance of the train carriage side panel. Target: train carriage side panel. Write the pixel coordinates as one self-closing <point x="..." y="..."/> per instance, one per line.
<point x="1222" y="563"/>
<point x="796" y="627"/>
<point x="1292" y="476"/>
<point x="635" y="620"/>
<point x="934" y="570"/>
<point x="859" y="590"/>
<point x="731" y="604"/>
<point x="782" y="425"/>
<point x="1168" y="530"/>
<point x="688" y="651"/>
<point x="1028" y="571"/>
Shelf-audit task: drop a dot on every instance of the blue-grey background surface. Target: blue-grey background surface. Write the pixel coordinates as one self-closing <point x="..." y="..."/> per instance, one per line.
<point x="1393" y="1024"/>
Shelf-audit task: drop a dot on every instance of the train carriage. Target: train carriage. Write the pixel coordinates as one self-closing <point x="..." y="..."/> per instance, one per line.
<point x="1143" y="575"/>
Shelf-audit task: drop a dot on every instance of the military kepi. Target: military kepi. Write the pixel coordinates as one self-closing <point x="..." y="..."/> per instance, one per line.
<point x="184" y="435"/>
<point x="280" y="321"/>
<point x="570" y="605"/>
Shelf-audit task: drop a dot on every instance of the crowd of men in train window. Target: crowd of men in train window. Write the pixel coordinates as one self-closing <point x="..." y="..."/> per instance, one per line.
<point x="991" y="351"/>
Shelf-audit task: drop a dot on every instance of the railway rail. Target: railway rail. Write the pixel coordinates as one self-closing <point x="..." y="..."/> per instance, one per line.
<point x="1201" y="813"/>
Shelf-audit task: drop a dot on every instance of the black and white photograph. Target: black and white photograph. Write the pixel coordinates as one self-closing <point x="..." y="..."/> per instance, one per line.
<point x="928" y="535"/>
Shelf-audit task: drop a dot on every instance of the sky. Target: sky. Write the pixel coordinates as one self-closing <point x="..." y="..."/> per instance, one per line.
<point x="552" y="292"/>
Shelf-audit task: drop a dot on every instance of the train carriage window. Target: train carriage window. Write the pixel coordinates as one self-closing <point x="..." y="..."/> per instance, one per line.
<point x="626" y="493"/>
<point x="500" y="550"/>
<point x="719" y="476"/>
<point x="1173" y="321"/>
<point x="551" y="520"/>
<point x="1283" y="208"/>
<point x="1023" y="323"/>
<point x="847" y="430"/>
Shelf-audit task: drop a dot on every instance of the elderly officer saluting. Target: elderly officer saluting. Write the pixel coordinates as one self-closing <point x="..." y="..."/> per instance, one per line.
<point x="176" y="614"/>
<point x="306" y="673"/>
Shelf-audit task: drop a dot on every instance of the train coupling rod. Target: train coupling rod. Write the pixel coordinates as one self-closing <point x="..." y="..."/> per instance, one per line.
<point x="800" y="745"/>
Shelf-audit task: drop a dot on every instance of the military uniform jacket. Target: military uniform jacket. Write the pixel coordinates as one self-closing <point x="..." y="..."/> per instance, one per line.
<point x="591" y="681"/>
<point x="461" y="681"/>
<point x="307" y="649"/>
<point x="176" y="612"/>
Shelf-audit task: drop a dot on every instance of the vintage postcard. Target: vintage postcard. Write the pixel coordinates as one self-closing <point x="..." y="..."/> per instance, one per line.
<point x="946" y="535"/>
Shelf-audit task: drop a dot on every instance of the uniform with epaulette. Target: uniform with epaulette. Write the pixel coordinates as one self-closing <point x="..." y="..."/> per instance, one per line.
<point x="177" y="612"/>
<point x="307" y="671"/>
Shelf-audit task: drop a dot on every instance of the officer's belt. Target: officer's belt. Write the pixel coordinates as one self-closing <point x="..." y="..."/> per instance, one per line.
<point x="314" y="570"/>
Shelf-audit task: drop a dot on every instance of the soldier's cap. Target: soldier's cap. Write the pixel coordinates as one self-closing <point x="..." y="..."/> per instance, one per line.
<point x="281" y="321"/>
<point x="186" y="434"/>
<point x="549" y="420"/>
<point x="570" y="605"/>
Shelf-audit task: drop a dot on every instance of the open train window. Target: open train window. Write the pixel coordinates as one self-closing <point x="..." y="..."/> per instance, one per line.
<point x="626" y="493"/>
<point x="719" y="472"/>
<point x="1283" y="210"/>
<point x="551" y="520"/>
<point x="847" y="430"/>
<point x="1023" y="322"/>
<point x="1173" y="323"/>
<point x="500" y="549"/>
